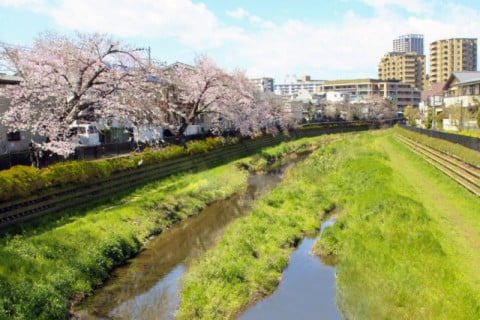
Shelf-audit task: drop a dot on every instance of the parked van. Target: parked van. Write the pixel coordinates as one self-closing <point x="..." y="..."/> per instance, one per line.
<point x="86" y="134"/>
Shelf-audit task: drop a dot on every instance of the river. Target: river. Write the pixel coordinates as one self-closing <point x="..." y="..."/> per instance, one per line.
<point x="307" y="289"/>
<point x="146" y="287"/>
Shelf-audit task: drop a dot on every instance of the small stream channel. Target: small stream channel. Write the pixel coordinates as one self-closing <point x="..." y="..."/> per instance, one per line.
<point x="147" y="286"/>
<point x="307" y="289"/>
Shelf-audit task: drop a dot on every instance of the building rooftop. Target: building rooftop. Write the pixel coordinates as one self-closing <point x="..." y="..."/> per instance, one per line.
<point x="9" y="79"/>
<point x="462" y="77"/>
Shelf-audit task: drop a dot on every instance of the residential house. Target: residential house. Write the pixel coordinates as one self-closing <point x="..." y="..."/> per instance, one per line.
<point x="10" y="141"/>
<point x="462" y="90"/>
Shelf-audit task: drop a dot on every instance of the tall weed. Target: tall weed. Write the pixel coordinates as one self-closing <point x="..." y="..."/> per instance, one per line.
<point x="390" y="261"/>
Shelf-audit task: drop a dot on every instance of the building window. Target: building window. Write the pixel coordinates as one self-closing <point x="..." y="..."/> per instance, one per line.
<point x="13" y="136"/>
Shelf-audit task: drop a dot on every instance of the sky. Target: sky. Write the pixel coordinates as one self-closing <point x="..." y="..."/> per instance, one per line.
<point x="281" y="39"/>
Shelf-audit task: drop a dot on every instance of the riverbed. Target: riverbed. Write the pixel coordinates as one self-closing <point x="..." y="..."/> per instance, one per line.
<point x="146" y="287"/>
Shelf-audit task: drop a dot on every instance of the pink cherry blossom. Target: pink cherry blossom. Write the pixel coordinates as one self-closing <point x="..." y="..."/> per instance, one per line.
<point x="84" y="78"/>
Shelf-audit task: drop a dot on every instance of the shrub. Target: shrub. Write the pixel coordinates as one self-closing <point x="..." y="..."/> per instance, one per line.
<point x="19" y="181"/>
<point x="23" y="181"/>
<point x="202" y="146"/>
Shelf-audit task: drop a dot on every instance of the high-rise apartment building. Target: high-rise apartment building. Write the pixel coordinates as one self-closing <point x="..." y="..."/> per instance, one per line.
<point x="263" y="84"/>
<point x="407" y="67"/>
<point x="361" y="89"/>
<point x="409" y="43"/>
<point x="450" y="55"/>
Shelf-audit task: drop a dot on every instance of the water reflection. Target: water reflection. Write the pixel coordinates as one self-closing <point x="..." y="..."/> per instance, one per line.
<point x="307" y="289"/>
<point x="146" y="288"/>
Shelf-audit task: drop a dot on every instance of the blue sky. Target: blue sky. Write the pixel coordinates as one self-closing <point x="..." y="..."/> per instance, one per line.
<point x="283" y="39"/>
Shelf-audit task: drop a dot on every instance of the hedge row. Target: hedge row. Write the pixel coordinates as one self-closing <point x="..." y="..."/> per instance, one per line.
<point x="23" y="181"/>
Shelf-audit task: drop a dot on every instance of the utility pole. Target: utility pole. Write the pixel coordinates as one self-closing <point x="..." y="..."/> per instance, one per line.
<point x="433" y="117"/>
<point x="461" y="115"/>
<point x="148" y="50"/>
<point x="149" y="56"/>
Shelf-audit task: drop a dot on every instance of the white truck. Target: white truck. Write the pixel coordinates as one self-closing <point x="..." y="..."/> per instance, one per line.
<point x="85" y="134"/>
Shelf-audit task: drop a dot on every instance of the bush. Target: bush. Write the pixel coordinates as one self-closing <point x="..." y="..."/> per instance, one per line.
<point x="202" y="146"/>
<point x="19" y="181"/>
<point x="23" y="181"/>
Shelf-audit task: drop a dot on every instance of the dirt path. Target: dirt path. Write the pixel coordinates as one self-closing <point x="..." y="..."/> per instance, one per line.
<point x="454" y="210"/>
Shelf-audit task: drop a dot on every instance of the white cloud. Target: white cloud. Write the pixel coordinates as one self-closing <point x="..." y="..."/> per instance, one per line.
<point x="350" y="14"/>
<point x="413" y="6"/>
<point x="238" y="13"/>
<point x="268" y="24"/>
<point x="351" y="46"/>
<point x="190" y="23"/>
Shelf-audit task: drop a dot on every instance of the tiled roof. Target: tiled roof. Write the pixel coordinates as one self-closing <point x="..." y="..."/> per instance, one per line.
<point x="462" y="78"/>
<point x="467" y="76"/>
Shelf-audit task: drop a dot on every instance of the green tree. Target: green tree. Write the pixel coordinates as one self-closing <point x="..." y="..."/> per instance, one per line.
<point x="439" y="119"/>
<point x="411" y="114"/>
<point x="428" y="123"/>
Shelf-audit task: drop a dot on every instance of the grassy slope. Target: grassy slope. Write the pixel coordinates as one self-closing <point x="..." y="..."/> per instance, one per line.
<point x="248" y="261"/>
<point x="406" y="238"/>
<point x="41" y="268"/>
<point x="48" y="260"/>
<point x="455" y="212"/>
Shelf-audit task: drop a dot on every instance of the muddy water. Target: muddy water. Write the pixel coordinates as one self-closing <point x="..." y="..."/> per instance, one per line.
<point x="307" y="289"/>
<point x="146" y="288"/>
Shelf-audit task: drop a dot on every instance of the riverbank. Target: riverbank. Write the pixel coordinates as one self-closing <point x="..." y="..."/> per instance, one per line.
<point x="247" y="263"/>
<point x="406" y="237"/>
<point x="58" y="259"/>
<point x="42" y="269"/>
<point x="405" y="241"/>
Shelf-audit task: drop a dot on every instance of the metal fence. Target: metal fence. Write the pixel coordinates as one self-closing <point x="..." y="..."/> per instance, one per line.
<point x="108" y="150"/>
<point x="466" y="141"/>
<point x="11" y="159"/>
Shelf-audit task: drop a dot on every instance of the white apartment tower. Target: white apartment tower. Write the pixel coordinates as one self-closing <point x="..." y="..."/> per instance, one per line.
<point x="409" y="43"/>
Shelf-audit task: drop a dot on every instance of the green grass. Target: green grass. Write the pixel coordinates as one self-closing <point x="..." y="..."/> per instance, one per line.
<point x="41" y="268"/>
<point x="248" y="262"/>
<point x="276" y="156"/>
<point x="48" y="263"/>
<point x="397" y="255"/>
<point x="405" y="241"/>
<point x="23" y="181"/>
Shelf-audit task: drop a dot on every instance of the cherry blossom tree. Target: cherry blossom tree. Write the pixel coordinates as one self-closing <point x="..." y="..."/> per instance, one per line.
<point x="381" y="108"/>
<point x="80" y="78"/>
<point x="226" y="99"/>
<point x="201" y="90"/>
<point x="252" y="111"/>
<point x="245" y="112"/>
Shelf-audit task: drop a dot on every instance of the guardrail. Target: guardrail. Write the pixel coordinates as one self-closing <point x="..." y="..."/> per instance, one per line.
<point x="466" y="141"/>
